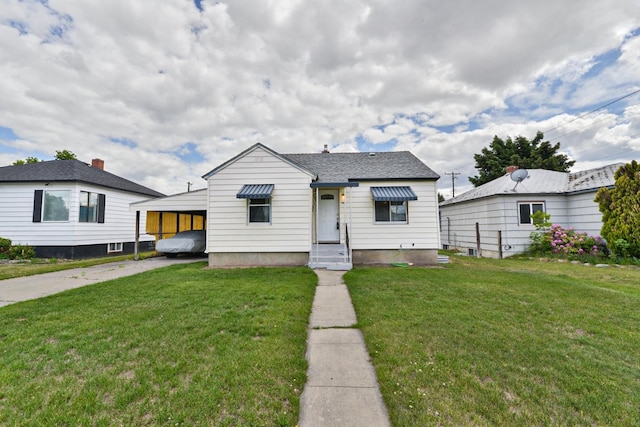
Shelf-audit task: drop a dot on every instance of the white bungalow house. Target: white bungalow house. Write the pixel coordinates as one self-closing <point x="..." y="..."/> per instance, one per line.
<point x="494" y="219"/>
<point x="69" y="209"/>
<point x="322" y="210"/>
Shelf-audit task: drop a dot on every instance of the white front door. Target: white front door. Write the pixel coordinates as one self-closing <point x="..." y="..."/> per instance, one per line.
<point x="328" y="216"/>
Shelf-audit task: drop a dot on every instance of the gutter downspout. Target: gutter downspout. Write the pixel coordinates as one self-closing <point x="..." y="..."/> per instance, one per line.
<point x="316" y="225"/>
<point x="136" y="255"/>
<point x="351" y="224"/>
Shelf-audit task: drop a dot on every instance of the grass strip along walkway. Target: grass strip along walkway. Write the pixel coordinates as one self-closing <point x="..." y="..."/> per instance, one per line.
<point x="511" y="342"/>
<point x="180" y="345"/>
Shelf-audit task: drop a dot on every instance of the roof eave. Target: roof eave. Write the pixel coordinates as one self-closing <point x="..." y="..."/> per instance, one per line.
<point x="334" y="184"/>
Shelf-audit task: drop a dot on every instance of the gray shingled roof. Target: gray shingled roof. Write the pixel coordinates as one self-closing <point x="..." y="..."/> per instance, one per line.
<point x="345" y="167"/>
<point x="71" y="171"/>
<point x="540" y="181"/>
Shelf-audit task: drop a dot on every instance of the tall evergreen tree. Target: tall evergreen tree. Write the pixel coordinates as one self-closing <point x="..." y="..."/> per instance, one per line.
<point x="620" y="209"/>
<point x="534" y="154"/>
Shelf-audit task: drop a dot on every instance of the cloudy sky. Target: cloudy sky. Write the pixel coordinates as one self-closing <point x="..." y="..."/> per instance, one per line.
<point x="164" y="91"/>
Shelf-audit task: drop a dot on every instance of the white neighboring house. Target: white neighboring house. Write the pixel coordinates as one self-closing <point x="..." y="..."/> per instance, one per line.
<point x="323" y="210"/>
<point x="69" y="209"/>
<point x="503" y="209"/>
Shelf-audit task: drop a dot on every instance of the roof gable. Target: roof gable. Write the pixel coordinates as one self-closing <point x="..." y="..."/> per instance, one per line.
<point x="71" y="171"/>
<point x="257" y="146"/>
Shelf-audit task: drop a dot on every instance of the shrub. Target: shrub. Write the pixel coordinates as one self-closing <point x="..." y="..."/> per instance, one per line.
<point x="21" y="252"/>
<point x="567" y="242"/>
<point x="620" y="213"/>
<point x="5" y="245"/>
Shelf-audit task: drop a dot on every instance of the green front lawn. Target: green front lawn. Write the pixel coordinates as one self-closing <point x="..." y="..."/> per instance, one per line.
<point x="511" y="342"/>
<point x="181" y="345"/>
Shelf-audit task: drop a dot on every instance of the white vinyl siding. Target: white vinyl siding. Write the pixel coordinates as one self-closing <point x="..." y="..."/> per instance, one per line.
<point x="500" y="213"/>
<point x="584" y="214"/>
<point x="420" y="231"/>
<point x="16" y="217"/>
<point x="459" y="224"/>
<point x="291" y="203"/>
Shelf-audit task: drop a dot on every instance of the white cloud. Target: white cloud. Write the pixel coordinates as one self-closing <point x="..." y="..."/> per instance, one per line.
<point x="297" y="75"/>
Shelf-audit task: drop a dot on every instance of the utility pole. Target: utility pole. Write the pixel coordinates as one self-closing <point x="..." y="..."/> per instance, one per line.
<point x="453" y="181"/>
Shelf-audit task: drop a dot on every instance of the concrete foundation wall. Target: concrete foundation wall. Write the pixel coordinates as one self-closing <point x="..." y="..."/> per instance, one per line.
<point x="388" y="256"/>
<point x="253" y="259"/>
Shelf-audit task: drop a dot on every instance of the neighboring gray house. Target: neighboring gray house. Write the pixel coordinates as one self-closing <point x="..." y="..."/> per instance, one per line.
<point x="503" y="209"/>
<point x="323" y="210"/>
<point x="69" y="209"/>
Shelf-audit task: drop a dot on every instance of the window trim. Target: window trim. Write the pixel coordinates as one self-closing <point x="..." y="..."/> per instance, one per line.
<point x="391" y="203"/>
<point x="86" y="197"/>
<point x="530" y="204"/>
<point x="117" y="247"/>
<point x="269" y="205"/>
<point x="43" y="205"/>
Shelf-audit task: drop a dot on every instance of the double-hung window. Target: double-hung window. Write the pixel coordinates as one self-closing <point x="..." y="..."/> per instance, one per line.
<point x="88" y="207"/>
<point x="91" y="207"/>
<point x="260" y="210"/>
<point x="391" y="203"/>
<point x="527" y="209"/>
<point x="258" y="202"/>
<point x="387" y="211"/>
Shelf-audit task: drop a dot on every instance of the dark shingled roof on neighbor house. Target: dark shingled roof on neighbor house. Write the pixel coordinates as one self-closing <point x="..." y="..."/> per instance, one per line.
<point x="346" y="167"/>
<point x="71" y="171"/>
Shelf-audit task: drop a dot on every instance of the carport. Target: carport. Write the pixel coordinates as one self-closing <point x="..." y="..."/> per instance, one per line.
<point x="166" y="216"/>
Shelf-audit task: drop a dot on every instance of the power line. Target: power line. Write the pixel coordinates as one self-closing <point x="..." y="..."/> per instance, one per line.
<point x="583" y="127"/>
<point x="453" y="181"/>
<point x="593" y="111"/>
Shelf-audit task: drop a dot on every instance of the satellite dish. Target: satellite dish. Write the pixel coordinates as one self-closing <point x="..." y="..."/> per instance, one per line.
<point x="518" y="176"/>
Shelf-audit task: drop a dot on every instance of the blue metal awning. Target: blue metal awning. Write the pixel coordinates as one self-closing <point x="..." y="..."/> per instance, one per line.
<point x="255" y="191"/>
<point x="393" y="194"/>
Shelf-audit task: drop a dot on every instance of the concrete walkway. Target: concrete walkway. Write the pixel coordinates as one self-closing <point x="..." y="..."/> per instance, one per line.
<point x="40" y="285"/>
<point x="342" y="388"/>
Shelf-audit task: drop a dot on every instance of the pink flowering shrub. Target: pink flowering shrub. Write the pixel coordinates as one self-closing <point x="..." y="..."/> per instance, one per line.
<point x="566" y="241"/>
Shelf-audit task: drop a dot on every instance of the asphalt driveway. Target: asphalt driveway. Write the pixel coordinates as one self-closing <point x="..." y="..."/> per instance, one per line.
<point x="40" y="285"/>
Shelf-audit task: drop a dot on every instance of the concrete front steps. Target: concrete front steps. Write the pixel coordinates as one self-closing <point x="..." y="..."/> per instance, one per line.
<point x="330" y="256"/>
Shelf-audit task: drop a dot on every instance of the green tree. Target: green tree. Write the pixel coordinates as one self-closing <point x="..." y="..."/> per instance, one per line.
<point x="620" y="209"/>
<point x="534" y="154"/>
<point x="60" y="155"/>
<point x="440" y="197"/>
<point x="27" y="160"/>
<point x="65" y="155"/>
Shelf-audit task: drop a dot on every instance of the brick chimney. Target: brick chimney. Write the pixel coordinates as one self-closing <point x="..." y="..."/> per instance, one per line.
<point x="326" y="149"/>
<point x="97" y="163"/>
<point x="511" y="169"/>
